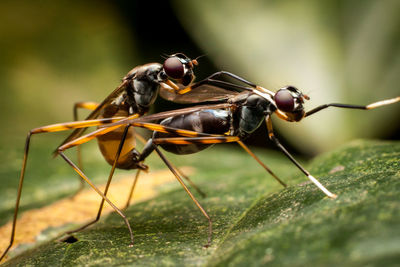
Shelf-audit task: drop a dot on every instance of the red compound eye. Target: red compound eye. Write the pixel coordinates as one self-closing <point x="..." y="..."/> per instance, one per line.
<point x="284" y="100"/>
<point x="174" y="68"/>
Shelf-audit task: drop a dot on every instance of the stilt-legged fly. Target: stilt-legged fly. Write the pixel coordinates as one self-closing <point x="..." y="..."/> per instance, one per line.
<point x="238" y="115"/>
<point x="239" y="111"/>
<point x="131" y="99"/>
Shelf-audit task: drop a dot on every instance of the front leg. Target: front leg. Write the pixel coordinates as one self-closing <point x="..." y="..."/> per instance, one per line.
<point x="272" y="137"/>
<point x="367" y="107"/>
<point x="211" y="80"/>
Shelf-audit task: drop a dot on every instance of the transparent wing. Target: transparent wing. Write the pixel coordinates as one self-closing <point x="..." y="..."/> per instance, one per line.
<point x="202" y="93"/>
<point x="166" y="114"/>
<point x="95" y="113"/>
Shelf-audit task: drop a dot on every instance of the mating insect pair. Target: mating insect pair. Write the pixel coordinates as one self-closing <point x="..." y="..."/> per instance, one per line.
<point x="236" y="110"/>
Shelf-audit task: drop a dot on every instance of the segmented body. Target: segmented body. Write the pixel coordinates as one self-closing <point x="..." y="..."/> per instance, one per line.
<point x="140" y="93"/>
<point x="240" y="121"/>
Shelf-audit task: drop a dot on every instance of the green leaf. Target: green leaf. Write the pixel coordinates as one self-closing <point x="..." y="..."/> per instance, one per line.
<point x="255" y="221"/>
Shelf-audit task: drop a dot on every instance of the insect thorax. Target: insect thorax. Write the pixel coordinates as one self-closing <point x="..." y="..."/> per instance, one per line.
<point x="249" y="116"/>
<point x="144" y="87"/>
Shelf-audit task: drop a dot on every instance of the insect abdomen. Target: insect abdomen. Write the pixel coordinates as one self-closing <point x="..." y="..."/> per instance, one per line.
<point x="109" y="142"/>
<point x="205" y="121"/>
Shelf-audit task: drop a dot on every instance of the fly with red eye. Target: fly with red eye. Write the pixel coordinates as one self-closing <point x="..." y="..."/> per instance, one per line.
<point x="248" y="104"/>
<point x="289" y="99"/>
<point x="241" y="110"/>
<point x="179" y="67"/>
<point x="236" y="111"/>
<point x="173" y="67"/>
<point x="131" y="99"/>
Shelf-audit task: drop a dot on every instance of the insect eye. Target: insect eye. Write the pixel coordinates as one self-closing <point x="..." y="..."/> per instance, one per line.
<point x="284" y="100"/>
<point x="174" y="68"/>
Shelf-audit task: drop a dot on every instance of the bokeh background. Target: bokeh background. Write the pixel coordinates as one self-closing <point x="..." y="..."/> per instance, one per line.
<point x="55" y="53"/>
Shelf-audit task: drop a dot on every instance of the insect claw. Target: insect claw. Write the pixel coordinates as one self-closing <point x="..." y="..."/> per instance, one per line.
<point x="142" y="166"/>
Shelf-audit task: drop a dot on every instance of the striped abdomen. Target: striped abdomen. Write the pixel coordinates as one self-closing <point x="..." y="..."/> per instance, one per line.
<point x="109" y="143"/>
<point x="206" y="121"/>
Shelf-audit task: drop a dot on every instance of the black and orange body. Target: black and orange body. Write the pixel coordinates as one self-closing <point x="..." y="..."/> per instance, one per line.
<point x="235" y="113"/>
<point x="141" y="90"/>
<point x="247" y="110"/>
<point x="131" y="99"/>
<point x="236" y="122"/>
<point x="108" y="145"/>
<point x="136" y="94"/>
<point x="205" y="121"/>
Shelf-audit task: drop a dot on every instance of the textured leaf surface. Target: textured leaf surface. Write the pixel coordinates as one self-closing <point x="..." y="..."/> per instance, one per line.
<point x="255" y="221"/>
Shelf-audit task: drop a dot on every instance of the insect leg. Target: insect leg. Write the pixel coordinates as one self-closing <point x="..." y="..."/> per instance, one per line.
<point x="120" y="213"/>
<point x="45" y="129"/>
<point x="167" y="129"/>
<point x="83" y="105"/>
<point x="196" y="140"/>
<point x="121" y="144"/>
<point x="149" y="147"/>
<point x="283" y="149"/>
<point x="88" y="106"/>
<point x="192" y="184"/>
<point x="231" y="75"/>
<point x="209" y="140"/>
<point x="153" y="142"/>
<point x="246" y="148"/>
<point x="185" y="177"/>
<point x="101" y="131"/>
<point x="150" y="126"/>
<point x="84" y="139"/>
<point x="370" y="106"/>
<point x="190" y="195"/>
<point x="132" y="189"/>
<point x="211" y="80"/>
<point x="20" y="184"/>
<point x="128" y="201"/>
<point x="218" y="83"/>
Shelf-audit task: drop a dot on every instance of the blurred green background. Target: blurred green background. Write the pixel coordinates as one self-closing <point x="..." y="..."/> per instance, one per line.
<point x="55" y="53"/>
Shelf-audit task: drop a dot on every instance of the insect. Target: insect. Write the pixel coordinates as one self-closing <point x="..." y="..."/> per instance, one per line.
<point x="239" y="114"/>
<point x="131" y="99"/>
<point x="251" y="101"/>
